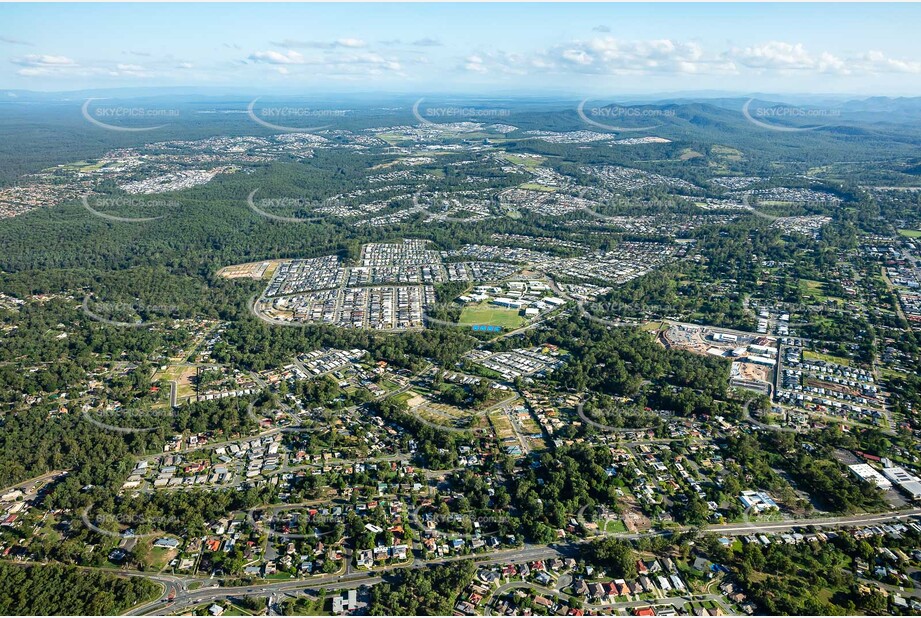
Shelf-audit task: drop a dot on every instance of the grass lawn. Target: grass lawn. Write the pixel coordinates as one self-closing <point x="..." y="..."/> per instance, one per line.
<point x="614" y="525"/>
<point x="47" y="530"/>
<point x="490" y="315"/>
<point x="911" y="233"/>
<point x="828" y="358"/>
<point x="83" y="166"/>
<point x="816" y="289"/>
<point x="525" y="161"/>
<point x="392" y="138"/>
<point x="529" y="426"/>
<point x="501" y="424"/>
<point x="757" y="576"/>
<point x="726" y="152"/>
<point x="811" y="286"/>
<point x="158" y="557"/>
<point x="270" y="271"/>
<point x="229" y="610"/>
<point x="178" y="373"/>
<point x="404" y="397"/>
<point x="533" y="186"/>
<point x="311" y="607"/>
<point x="90" y="167"/>
<point x="892" y="373"/>
<point x="768" y="516"/>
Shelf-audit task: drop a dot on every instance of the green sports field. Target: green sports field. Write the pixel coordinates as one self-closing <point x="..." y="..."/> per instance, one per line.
<point x="490" y="315"/>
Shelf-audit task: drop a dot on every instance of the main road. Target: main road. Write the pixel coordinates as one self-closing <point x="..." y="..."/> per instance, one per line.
<point x="185" y="598"/>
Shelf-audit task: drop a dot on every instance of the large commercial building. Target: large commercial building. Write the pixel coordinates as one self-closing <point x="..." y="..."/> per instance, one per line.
<point x="906" y="481"/>
<point x="867" y="473"/>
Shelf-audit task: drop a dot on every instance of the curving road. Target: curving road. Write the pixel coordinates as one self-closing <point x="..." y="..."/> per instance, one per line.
<point x="607" y="428"/>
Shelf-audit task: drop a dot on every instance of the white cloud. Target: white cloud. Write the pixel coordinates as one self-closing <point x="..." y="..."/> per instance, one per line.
<point x="612" y="56"/>
<point x="785" y="57"/>
<point x="608" y="55"/>
<point x="500" y="62"/>
<point x="353" y="43"/>
<point x="598" y="54"/>
<point x="35" y="65"/>
<point x="876" y="61"/>
<point x="130" y="70"/>
<point x="829" y="63"/>
<point x="776" y="55"/>
<point x="349" y="43"/>
<point x="475" y="64"/>
<point x="275" y="57"/>
<point x="43" y="60"/>
<point x="331" y="62"/>
<point x="577" y="56"/>
<point x="33" y="72"/>
<point x="369" y="60"/>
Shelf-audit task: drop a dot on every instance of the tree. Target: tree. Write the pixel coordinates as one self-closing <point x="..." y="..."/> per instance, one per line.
<point x="615" y="555"/>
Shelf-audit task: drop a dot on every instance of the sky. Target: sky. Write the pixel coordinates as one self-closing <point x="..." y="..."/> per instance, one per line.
<point x="498" y="49"/>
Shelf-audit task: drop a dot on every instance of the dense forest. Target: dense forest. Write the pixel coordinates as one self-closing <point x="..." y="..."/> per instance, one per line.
<point x="633" y="365"/>
<point x="421" y="592"/>
<point x="42" y="590"/>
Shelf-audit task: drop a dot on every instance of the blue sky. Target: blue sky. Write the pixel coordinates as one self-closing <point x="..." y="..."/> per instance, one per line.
<point x="578" y="49"/>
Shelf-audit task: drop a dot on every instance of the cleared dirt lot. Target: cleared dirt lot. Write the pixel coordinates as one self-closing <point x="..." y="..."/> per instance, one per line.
<point x="251" y="270"/>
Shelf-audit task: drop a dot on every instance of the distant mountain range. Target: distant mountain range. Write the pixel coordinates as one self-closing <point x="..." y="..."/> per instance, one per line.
<point x="844" y="103"/>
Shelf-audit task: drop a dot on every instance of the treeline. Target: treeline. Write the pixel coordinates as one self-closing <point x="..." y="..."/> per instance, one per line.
<point x="629" y="362"/>
<point x="567" y="480"/>
<point x="436" y="449"/>
<point x="211" y="226"/>
<point x="814" y="579"/>
<point x="681" y="290"/>
<point x="102" y="522"/>
<point x="252" y="344"/>
<point x="36" y="440"/>
<point x="813" y="469"/>
<point x="849" y="334"/>
<point x="45" y="590"/>
<point x="64" y="343"/>
<point x="421" y="592"/>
